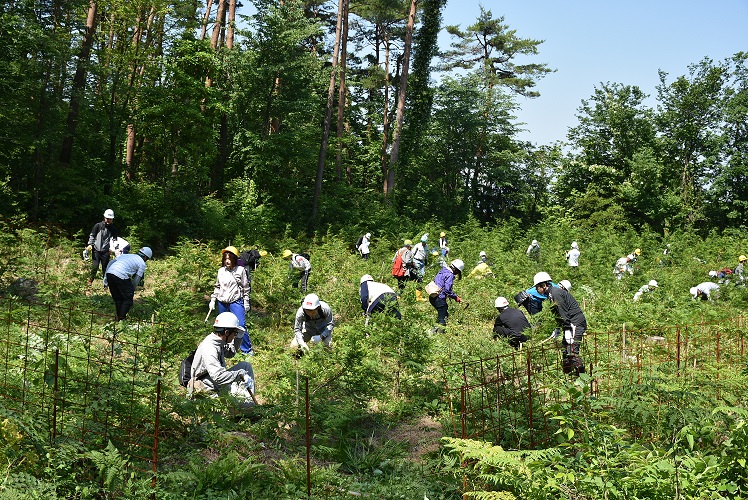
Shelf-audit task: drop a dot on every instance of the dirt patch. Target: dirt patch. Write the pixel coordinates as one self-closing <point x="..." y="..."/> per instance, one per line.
<point x="422" y="436"/>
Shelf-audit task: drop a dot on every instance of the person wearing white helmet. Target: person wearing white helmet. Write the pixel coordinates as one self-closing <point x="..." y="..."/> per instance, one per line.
<point x="704" y="291"/>
<point x="421" y="256"/>
<point x="118" y="245"/>
<point x="209" y="372"/>
<point x="532" y="298"/>
<point x="363" y="246"/>
<point x="122" y="277"/>
<point x="510" y="323"/>
<point x="572" y="255"/>
<point x="533" y="251"/>
<point x="98" y="245"/>
<point x="377" y="297"/>
<point x="572" y="321"/>
<point x="483" y="268"/>
<point x="645" y="289"/>
<point x="444" y="280"/>
<point x="313" y="324"/>
<point x="625" y="264"/>
<point x="231" y="292"/>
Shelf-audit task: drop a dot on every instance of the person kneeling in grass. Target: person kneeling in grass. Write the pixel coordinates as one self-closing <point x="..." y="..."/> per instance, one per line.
<point x="209" y="374"/>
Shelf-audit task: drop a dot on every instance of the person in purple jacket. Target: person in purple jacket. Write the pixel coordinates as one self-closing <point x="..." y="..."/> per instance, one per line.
<point x="444" y="280"/>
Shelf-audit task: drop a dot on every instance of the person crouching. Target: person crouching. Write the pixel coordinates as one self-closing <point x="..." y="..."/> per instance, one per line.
<point x="209" y="373"/>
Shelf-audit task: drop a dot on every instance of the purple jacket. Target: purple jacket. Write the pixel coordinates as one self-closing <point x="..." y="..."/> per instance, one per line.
<point x="445" y="279"/>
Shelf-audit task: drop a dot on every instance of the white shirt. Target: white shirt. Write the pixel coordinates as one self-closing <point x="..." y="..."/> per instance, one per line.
<point x="232" y="286"/>
<point x="364" y="246"/>
<point x="300" y="263"/>
<point x="707" y="288"/>
<point x="572" y="256"/>
<point x="419" y="251"/>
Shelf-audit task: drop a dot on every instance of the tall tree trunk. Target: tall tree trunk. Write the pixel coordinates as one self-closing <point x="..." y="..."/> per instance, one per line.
<point x="136" y="76"/>
<point x="204" y="29"/>
<point x="386" y="111"/>
<point x="79" y="83"/>
<point x="342" y="90"/>
<point x="328" y="115"/>
<point x="232" y="25"/>
<point x="395" y="151"/>
<point x="220" y="22"/>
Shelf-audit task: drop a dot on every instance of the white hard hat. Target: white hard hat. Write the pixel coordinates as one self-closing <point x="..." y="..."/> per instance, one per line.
<point x="541" y="277"/>
<point x="310" y="302"/>
<point x="566" y="284"/>
<point x="366" y="277"/>
<point x="694" y="291"/>
<point x="501" y="302"/>
<point x="574" y="244"/>
<point x="368" y="235"/>
<point x="653" y="283"/>
<point x="482" y="253"/>
<point x="146" y="252"/>
<point x="227" y="320"/>
<point x="425" y="237"/>
<point x="458" y="264"/>
<point x="534" y="242"/>
<point x="109" y="213"/>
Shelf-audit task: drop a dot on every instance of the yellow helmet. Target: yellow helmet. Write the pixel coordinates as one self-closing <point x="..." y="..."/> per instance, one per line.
<point x="287" y="253"/>
<point x="442" y="234"/>
<point x="638" y="251"/>
<point x="263" y="253"/>
<point x="230" y="249"/>
<point x="408" y="243"/>
<point x="742" y="258"/>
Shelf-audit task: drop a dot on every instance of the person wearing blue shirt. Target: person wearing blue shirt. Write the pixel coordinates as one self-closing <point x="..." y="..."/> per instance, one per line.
<point x="534" y="302"/>
<point x="122" y="276"/>
<point x="444" y="280"/>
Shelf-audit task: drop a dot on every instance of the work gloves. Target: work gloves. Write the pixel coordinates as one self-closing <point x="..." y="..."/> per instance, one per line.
<point x="458" y="299"/>
<point x="317" y="339"/>
<point x="212" y="305"/>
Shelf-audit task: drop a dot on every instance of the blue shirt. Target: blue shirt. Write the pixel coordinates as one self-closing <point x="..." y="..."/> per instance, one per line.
<point x="445" y="279"/>
<point x="538" y="297"/>
<point x="127" y="266"/>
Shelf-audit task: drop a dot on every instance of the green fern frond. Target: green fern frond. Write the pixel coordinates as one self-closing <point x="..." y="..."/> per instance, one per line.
<point x="110" y="464"/>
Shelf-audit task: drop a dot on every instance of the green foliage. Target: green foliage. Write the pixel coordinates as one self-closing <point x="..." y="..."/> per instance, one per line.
<point x="382" y="378"/>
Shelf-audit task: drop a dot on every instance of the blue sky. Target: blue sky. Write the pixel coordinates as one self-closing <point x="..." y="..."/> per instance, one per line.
<point x="623" y="42"/>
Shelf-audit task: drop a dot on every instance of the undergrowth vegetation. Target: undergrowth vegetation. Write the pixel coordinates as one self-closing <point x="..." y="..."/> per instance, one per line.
<point x="376" y="399"/>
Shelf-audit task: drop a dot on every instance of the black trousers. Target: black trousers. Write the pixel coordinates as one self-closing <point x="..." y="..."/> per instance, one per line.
<point x="123" y="292"/>
<point x="99" y="257"/>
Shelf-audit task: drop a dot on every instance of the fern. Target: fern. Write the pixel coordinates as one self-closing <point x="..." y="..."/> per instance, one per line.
<point x="110" y="464"/>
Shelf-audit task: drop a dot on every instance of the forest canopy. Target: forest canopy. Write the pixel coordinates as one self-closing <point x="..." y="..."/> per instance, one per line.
<point x="317" y="117"/>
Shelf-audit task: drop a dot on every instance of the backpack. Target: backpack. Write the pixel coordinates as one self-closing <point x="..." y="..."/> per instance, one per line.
<point x="185" y="369"/>
<point x="250" y="259"/>
<point x="358" y="242"/>
<point x="398" y="270"/>
<point x="306" y="256"/>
